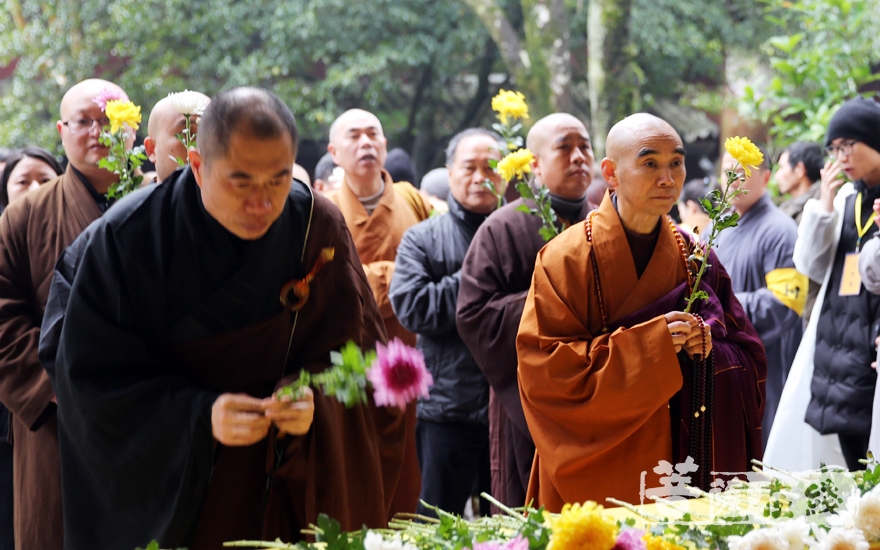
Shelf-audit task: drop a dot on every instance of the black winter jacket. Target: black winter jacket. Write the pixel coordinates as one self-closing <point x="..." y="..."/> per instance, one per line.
<point x="843" y="380"/>
<point x="423" y="293"/>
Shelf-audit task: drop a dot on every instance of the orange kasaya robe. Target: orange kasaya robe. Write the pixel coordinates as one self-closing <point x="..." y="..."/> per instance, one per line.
<point x="376" y="237"/>
<point x="598" y="404"/>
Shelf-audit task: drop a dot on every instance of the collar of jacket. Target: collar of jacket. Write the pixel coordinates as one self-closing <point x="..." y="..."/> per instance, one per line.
<point x="469" y="221"/>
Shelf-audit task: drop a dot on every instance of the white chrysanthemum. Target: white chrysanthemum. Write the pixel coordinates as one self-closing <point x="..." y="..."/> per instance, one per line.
<point x="189" y="103"/>
<point x="796" y="533"/>
<point x="867" y="516"/>
<point x="759" y="539"/>
<point x="375" y="541"/>
<point x="841" y="539"/>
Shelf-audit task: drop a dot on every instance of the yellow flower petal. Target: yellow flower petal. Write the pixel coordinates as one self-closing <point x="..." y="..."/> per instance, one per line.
<point x="659" y="543"/>
<point x="515" y="165"/>
<point x="745" y="153"/>
<point x="582" y="528"/>
<point x="508" y="104"/>
<point x="122" y="112"/>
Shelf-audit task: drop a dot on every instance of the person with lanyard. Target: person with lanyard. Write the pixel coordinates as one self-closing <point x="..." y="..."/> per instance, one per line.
<point x="832" y="382"/>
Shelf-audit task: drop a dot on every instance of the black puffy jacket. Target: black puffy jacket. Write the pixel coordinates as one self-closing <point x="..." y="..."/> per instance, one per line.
<point x="423" y="293"/>
<point x="843" y="380"/>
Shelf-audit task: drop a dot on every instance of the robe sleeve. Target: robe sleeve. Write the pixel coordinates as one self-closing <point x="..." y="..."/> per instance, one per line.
<point x="813" y="252"/>
<point x="24" y="386"/>
<point x="771" y="316"/>
<point x="423" y="305"/>
<point x="869" y="264"/>
<point x="122" y="408"/>
<point x="572" y="383"/>
<point x="379" y="276"/>
<point x="488" y="315"/>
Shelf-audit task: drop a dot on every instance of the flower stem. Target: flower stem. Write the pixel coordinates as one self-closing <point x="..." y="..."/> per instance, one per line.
<point x="509" y="511"/>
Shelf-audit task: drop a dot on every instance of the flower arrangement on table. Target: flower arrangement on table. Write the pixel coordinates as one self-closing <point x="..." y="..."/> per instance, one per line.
<point x="780" y="518"/>
<point x="510" y="107"/>
<point x="124" y="117"/>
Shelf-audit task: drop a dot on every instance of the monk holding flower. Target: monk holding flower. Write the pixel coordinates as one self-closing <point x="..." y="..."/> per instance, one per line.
<point x="607" y="356"/>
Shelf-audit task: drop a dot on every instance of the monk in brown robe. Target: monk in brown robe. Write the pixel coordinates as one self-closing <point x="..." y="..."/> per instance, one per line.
<point x="378" y="212"/>
<point x="495" y="280"/>
<point x="614" y="376"/>
<point x="169" y="327"/>
<point x="34" y="231"/>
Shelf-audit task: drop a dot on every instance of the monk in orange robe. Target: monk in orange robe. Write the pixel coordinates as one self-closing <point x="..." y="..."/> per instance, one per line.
<point x="614" y="376"/>
<point x="378" y="212"/>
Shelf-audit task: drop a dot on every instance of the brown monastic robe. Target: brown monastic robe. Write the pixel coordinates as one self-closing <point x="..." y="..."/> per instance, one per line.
<point x="495" y="279"/>
<point x="598" y="404"/>
<point x="34" y="231"/>
<point x="376" y="237"/>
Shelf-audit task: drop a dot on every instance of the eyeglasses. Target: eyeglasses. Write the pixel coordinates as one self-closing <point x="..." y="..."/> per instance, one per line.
<point x="844" y="149"/>
<point x="85" y="124"/>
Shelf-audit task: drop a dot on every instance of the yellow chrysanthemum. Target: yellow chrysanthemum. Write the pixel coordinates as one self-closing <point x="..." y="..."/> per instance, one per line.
<point x="515" y="165"/>
<point x="510" y="105"/>
<point x="582" y="528"/>
<point x="659" y="543"/>
<point x="745" y="153"/>
<point x="121" y="112"/>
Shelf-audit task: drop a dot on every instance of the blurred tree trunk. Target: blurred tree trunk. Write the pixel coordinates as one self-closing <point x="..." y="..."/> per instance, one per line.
<point x="612" y="77"/>
<point x="540" y="62"/>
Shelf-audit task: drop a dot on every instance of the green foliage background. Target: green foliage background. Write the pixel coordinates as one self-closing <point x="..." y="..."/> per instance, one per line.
<point x="427" y="68"/>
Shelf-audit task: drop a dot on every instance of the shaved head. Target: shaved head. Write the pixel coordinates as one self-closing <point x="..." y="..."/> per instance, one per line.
<point x="644" y="165"/>
<point x="82" y="146"/>
<point x="358" y="145"/>
<point x="634" y="132"/>
<point x="87" y="89"/>
<point x="544" y="129"/>
<point x="162" y="145"/>
<point x="347" y="118"/>
<point x="563" y="155"/>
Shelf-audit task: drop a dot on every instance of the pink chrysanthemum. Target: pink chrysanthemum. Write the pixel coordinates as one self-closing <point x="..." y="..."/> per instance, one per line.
<point x="398" y="375"/>
<point x="630" y="539"/>
<point x="519" y="543"/>
<point x="108" y="94"/>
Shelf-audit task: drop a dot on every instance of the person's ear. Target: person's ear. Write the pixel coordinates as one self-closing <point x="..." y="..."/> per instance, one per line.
<point x="58" y="126"/>
<point x="800" y="170"/>
<point x="150" y="148"/>
<point x="195" y="162"/>
<point x="536" y="166"/>
<point x="609" y="172"/>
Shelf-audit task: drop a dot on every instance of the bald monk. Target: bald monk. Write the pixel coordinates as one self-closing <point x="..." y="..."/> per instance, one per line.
<point x="495" y="280"/>
<point x="162" y="145"/>
<point x="34" y="231"/>
<point x="378" y="212"/>
<point x="606" y="362"/>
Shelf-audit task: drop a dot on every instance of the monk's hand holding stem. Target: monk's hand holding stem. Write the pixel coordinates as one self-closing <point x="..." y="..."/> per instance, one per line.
<point x="680" y="325"/>
<point x="238" y="420"/>
<point x="832" y="180"/>
<point x="291" y="417"/>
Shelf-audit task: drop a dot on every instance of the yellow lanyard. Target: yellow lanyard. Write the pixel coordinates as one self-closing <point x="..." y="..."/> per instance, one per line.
<point x="862" y="229"/>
